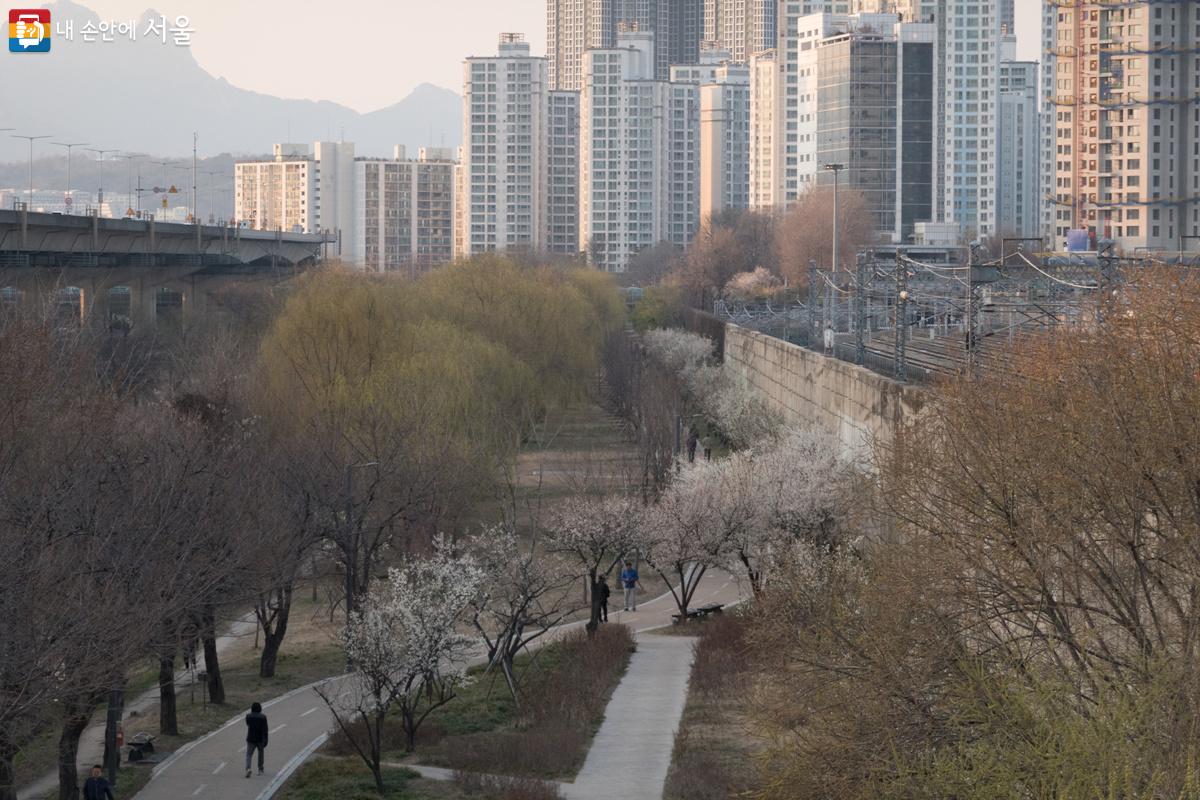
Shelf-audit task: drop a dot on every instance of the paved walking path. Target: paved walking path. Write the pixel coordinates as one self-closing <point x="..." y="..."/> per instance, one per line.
<point x="631" y="753"/>
<point x="213" y="766"/>
<point x="91" y="743"/>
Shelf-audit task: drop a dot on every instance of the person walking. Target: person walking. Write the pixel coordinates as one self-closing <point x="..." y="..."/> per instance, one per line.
<point x="706" y="443"/>
<point x="629" y="580"/>
<point x="256" y="736"/>
<point x="96" y="787"/>
<point x="603" y="591"/>
<point x="693" y="438"/>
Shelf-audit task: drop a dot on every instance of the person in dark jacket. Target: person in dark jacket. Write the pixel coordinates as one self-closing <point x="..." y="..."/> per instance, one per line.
<point x="693" y="439"/>
<point x="256" y="736"/>
<point x="603" y="590"/>
<point x="96" y="787"/>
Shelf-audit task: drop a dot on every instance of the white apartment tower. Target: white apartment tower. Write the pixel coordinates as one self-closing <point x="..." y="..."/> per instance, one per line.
<point x="971" y="122"/>
<point x="279" y="194"/>
<point x="404" y="212"/>
<point x="638" y="175"/>
<point x="725" y="140"/>
<point x="1018" y="186"/>
<point x="766" y="187"/>
<point x="297" y="190"/>
<point x="562" y="173"/>
<point x="504" y="137"/>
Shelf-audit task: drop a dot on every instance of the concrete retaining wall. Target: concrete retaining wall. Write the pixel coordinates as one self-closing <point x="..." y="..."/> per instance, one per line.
<point x="850" y="402"/>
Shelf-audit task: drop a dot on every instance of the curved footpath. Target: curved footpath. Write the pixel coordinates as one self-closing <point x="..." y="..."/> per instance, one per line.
<point x="91" y="743"/>
<point x="630" y="755"/>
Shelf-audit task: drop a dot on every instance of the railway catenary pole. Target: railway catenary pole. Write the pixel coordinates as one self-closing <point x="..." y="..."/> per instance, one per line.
<point x="901" y="366"/>
<point x="860" y="309"/>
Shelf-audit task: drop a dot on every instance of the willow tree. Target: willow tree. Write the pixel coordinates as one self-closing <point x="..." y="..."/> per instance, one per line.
<point x="393" y="417"/>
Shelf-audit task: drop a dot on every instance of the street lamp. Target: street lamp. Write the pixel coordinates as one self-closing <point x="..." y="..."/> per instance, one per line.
<point x="129" y="159"/>
<point x="211" y="173"/>
<point x="836" y="170"/>
<point x="100" y="191"/>
<point x="68" y="201"/>
<point x="31" y="140"/>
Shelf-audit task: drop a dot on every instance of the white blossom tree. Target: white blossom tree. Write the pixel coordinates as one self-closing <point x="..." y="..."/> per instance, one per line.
<point x="678" y="351"/>
<point x="522" y="596"/>
<point x="592" y="533"/>
<point x="407" y="649"/>
<point x="694" y="523"/>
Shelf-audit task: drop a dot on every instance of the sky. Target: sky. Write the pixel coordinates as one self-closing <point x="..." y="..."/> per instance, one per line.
<point x="368" y="54"/>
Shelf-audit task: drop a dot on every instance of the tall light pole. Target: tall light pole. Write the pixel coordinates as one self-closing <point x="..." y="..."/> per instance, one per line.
<point x="100" y="193"/>
<point x="31" y="140"/>
<point x="68" y="200"/>
<point x="836" y="169"/>
<point x="211" y="173"/>
<point x="129" y="159"/>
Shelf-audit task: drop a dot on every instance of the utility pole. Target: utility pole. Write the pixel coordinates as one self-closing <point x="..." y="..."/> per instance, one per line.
<point x="195" y="213"/>
<point x="860" y="309"/>
<point x="812" y="300"/>
<point x="68" y="200"/>
<point x="901" y="319"/>
<point x="971" y="338"/>
<point x="100" y="160"/>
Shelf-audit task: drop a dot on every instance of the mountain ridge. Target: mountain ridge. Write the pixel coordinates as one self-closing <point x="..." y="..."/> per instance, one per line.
<point x="160" y="94"/>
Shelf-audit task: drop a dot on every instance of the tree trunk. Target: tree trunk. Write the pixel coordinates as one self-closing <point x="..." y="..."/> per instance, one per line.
<point x="168" y="720"/>
<point x="75" y="719"/>
<point x="273" y="633"/>
<point x="116" y="710"/>
<point x="212" y="664"/>
<point x="8" y="752"/>
<point x="594" y="620"/>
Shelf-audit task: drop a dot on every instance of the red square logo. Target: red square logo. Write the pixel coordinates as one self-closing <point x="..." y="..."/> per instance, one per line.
<point x="29" y="30"/>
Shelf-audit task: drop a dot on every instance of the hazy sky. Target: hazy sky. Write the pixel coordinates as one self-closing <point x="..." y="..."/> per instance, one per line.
<point x="367" y="54"/>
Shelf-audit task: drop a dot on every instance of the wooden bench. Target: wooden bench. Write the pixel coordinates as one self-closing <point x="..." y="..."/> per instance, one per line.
<point x="700" y="613"/>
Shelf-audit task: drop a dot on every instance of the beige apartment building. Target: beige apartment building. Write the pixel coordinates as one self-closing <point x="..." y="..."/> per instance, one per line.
<point x="1125" y="106"/>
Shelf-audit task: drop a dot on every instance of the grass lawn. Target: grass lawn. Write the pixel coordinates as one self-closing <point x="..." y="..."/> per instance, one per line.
<point x="566" y="686"/>
<point x="349" y="779"/>
<point x="714" y="750"/>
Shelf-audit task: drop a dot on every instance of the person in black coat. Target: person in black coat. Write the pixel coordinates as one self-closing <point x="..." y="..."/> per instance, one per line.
<point x="96" y="787"/>
<point x="256" y="736"/>
<point x="603" y="590"/>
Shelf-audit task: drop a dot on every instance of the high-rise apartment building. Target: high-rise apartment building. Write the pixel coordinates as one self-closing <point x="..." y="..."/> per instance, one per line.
<point x="1018" y="184"/>
<point x="280" y="194"/>
<point x="299" y="190"/>
<point x="638" y="175"/>
<point x="725" y="140"/>
<point x="562" y="173"/>
<point x="1127" y="124"/>
<point x="404" y="212"/>
<point x="575" y="26"/>
<point x="766" y="187"/>
<point x="504" y="139"/>
<point x="1046" y="111"/>
<point x="971" y="125"/>
<point x="743" y="27"/>
<point x="791" y="92"/>
<point x="335" y="189"/>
